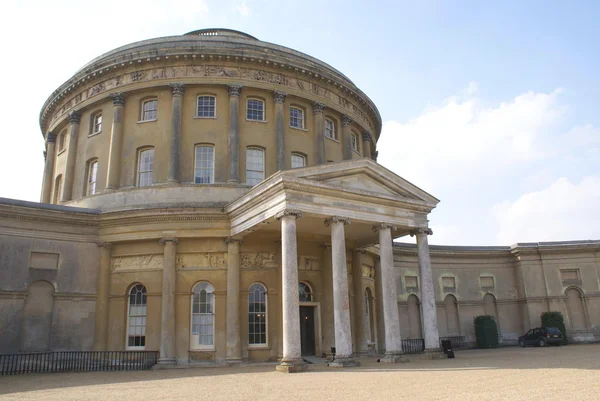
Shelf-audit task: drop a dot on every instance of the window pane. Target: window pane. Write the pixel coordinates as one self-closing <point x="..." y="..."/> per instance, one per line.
<point x="257" y="316"/>
<point x="298" y="161"/>
<point x="255" y="110"/>
<point x="205" y="165"/>
<point x="329" y="129"/>
<point x="296" y="117"/>
<point x="97" y="123"/>
<point x="203" y="314"/>
<point x="206" y="106"/>
<point x="92" y="172"/>
<point x="136" y="321"/>
<point x="149" y="110"/>
<point x="145" y="167"/>
<point x="255" y="166"/>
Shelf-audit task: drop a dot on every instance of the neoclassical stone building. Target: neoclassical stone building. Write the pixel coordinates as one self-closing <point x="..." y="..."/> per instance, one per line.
<point x="218" y="198"/>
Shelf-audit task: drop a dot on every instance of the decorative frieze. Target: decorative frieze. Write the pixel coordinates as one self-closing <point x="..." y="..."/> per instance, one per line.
<point x="257" y="260"/>
<point x="368" y="272"/>
<point x="137" y="263"/>
<point x="309" y="263"/>
<point x="205" y="260"/>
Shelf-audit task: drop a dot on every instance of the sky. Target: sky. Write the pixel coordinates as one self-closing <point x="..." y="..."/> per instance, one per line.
<point x="492" y="107"/>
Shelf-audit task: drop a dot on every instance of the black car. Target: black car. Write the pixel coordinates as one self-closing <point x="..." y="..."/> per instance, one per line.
<point x="541" y="336"/>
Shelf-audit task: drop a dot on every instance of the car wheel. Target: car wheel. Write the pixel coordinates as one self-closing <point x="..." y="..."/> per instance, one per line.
<point x="542" y="342"/>
<point x="521" y="343"/>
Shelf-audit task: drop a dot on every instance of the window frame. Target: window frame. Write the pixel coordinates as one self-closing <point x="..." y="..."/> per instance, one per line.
<point x="62" y="141"/>
<point x="264" y="109"/>
<point x="206" y="95"/>
<point x="212" y="177"/>
<point x="128" y="316"/>
<point x="196" y="346"/>
<point x="143" y="111"/>
<point x="57" y="189"/>
<point x="89" y="165"/>
<point x="310" y="293"/>
<point x="354" y="135"/>
<point x="138" y="167"/>
<point x="262" y="150"/>
<point x="302" y="120"/>
<point x="266" y="303"/>
<point x="94" y="124"/>
<point x="299" y="155"/>
<point x="334" y="129"/>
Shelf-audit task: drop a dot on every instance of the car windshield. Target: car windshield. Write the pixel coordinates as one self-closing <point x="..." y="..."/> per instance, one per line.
<point x="552" y="330"/>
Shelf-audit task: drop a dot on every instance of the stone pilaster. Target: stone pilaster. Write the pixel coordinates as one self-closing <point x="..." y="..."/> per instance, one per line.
<point x="279" y="98"/>
<point x="74" y="118"/>
<point x="116" y="142"/>
<point x="49" y="168"/>
<point x="234" y="346"/>
<point x="177" y="90"/>
<point x="234" y="134"/>
<point x="319" y="132"/>
<point x="346" y="133"/>
<point x="341" y="302"/>
<point x="102" y="299"/>
<point x="393" y="343"/>
<point x="167" y="326"/>
<point x="366" y="137"/>
<point x="431" y="334"/>
<point x="360" y="322"/>
<point x="292" y="359"/>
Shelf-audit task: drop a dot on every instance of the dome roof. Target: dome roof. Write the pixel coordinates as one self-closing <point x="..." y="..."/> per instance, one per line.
<point x="220" y="32"/>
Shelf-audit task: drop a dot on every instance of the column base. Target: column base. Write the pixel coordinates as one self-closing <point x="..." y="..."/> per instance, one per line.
<point x="343" y="362"/>
<point x="394" y="357"/>
<point x="165" y="363"/>
<point x="172" y="182"/>
<point x="291" y="366"/>
<point x="233" y="181"/>
<point x="233" y="360"/>
<point x="433" y="354"/>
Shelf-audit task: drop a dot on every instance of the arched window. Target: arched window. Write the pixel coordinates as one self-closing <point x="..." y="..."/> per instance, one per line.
<point x="451" y="309"/>
<point x="296" y="117"/>
<point x="414" y="316"/>
<point x="298" y="160"/>
<point x="255" y="110"/>
<point x="257" y="314"/>
<point x="57" y="189"/>
<point x="91" y="176"/>
<point x="304" y="293"/>
<point x="62" y="140"/>
<point x="206" y="107"/>
<point x="203" y="316"/>
<point x="136" y="317"/>
<point x="576" y="309"/>
<point x="255" y="165"/>
<point x="145" y="170"/>
<point x="354" y="141"/>
<point x="204" y="165"/>
<point x="149" y="110"/>
<point x="96" y="123"/>
<point x="330" y="129"/>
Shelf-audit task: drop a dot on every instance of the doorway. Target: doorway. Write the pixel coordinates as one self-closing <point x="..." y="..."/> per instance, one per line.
<point x="307" y="330"/>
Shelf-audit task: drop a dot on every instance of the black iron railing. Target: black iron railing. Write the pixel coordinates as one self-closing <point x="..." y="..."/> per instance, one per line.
<point x="413" y="346"/>
<point x="76" y="361"/>
<point x="458" y="342"/>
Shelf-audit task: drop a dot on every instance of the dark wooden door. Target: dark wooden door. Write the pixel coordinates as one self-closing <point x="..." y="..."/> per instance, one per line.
<point x="307" y="330"/>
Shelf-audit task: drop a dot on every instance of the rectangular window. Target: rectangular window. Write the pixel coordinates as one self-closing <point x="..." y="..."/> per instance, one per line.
<point x="91" y="177"/>
<point x="354" y="139"/>
<point x="329" y="129"/>
<point x="206" y="107"/>
<point x="205" y="165"/>
<point x="298" y="160"/>
<point x="255" y="110"/>
<point x="296" y="118"/>
<point x="486" y="282"/>
<point x="255" y="166"/>
<point x="145" y="167"/>
<point x="61" y="141"/>
<point x="97" y="123"/>
<point x="449" y="284"/>
<point x="149" y="110"/>
<point x="57" y="189"/>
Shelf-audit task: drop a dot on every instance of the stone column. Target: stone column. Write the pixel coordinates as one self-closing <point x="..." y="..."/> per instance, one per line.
<point x="319" y="132"/>
<point x="292" y="359"/>
<point x="366" y="137"/>
<point x="234" y="135"/>
<point x="74" y="118"/>
<point x="327" y="304"/>
<point x="346" y="121"/>
<point x="102" y="298"/>
<point x="116" y="142"/>
<point x="359" y="304"/>
<point x="234" y="346"/>
<point x="49" y="168"/>
<point x="431" y="334"/>
<point x="379" y="308"/>
<point x="279" y="98"/>
<point x="389" y="294"/>
<point x="177" y="90"/>
<point x="341" y="302"/>
<point x="167" y="321"/>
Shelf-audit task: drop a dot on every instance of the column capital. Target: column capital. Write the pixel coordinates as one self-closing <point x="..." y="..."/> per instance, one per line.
<point x="118" y="98"/>
<point x="337" y="219"/>
<point x="177" y="88"/>
<point x="427" y="231"/>
<point x="233" y="240"/>
<point x="234" y="90"/>
<point x="361" y="251"/>
<point x="366" y="136"/>
<point x="318" y="107"/>
<point x="384" y="226"/>
<point x="346" y="120"/>
<point x="106" y="245"/>
<point x="375" y="154"/>
<point x="75" y="117"/>
<point x="164" y="240"/>
<point x="289" y="212"/>
<point x="50" y="137"/>
<point x="279" y="97"/>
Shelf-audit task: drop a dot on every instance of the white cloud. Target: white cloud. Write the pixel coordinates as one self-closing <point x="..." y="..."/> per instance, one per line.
<point x="563" y="210"/>
<point x="243" y="9"/>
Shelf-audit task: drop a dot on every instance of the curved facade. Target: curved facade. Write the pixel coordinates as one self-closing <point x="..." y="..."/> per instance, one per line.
<point x="217" y="198"/>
